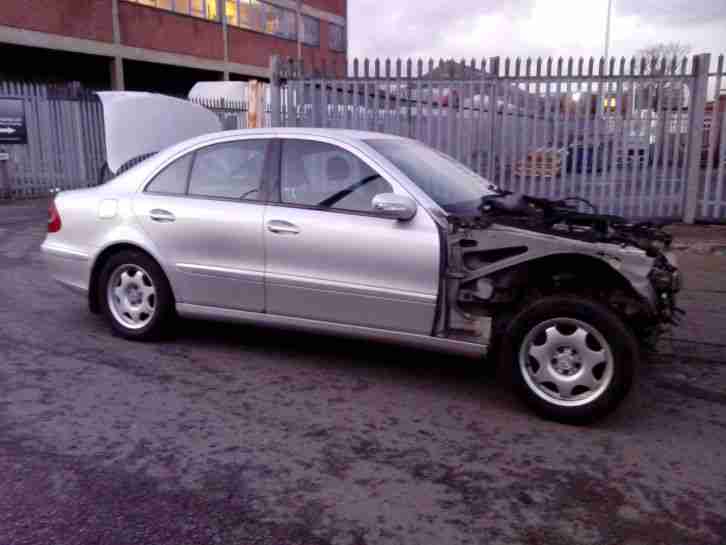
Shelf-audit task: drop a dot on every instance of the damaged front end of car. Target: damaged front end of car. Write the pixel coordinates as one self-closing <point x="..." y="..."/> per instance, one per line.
<point x="516" y="248"/>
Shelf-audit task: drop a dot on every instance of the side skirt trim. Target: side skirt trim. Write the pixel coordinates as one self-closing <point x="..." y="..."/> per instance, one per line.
<point x="317" y="326"/>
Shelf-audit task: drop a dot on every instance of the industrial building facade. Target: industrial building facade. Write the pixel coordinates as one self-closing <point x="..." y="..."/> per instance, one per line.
<point x="165" y="45"/>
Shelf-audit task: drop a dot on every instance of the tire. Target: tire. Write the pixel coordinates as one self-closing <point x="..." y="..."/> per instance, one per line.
<point x="570" y="358"/>
<point x="135" y="296"/>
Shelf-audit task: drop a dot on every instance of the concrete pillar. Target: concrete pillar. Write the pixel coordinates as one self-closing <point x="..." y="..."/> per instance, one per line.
<point x="298" y="19"/>
<point x="117" y="74"/>
<point x="221" y="9"/>
<point x="117" y="63"/>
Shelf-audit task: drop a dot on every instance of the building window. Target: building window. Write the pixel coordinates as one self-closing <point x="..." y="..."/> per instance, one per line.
<point x="230" y="12"/>
<point x="310" y="31"/>
<point x="336" y="37"/>
<point x="261" y="17"/>
<point x="280" y="22"/>
<point x="204" y="9"/>
<point x="250" y="14"/>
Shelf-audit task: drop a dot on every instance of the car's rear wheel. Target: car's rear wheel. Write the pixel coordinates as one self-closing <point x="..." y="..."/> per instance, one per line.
<point x="572" y="359"/>
<point x="135" y="296"/>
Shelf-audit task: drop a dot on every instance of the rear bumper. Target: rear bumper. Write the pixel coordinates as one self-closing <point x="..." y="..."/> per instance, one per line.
<point x="67" y="266"/>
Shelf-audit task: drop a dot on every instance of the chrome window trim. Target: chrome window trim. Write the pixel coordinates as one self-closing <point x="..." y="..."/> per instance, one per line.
<point x="221" y="139"/>
<point x="277" y="201"/>
<point x="186" y="195"/>
<point x="362" y="151"/>
<point x="356" y="146"/>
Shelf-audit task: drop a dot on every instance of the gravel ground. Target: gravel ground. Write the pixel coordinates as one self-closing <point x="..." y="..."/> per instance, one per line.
<point x="240" y="435"/>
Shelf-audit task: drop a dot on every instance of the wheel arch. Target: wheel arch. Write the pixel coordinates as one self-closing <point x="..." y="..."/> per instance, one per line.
<point x="102" y="258"/>
<point x="536" y="271"/>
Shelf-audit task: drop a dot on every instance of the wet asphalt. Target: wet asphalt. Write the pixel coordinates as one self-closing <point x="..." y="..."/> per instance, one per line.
<point x="241" y="435"/>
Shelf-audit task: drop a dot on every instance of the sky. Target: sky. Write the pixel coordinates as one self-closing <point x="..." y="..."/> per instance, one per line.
<point x="487" y="28"/>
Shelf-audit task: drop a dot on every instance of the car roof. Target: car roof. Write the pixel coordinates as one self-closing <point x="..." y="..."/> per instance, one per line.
<point x="338" y="134"/>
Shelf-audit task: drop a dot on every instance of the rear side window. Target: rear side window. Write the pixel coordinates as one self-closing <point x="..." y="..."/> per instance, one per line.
<point x="231" y="170"/>
<point x="173" y="179"/>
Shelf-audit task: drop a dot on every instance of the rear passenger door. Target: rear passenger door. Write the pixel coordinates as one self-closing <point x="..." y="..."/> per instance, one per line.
<point x="204" y="211"/>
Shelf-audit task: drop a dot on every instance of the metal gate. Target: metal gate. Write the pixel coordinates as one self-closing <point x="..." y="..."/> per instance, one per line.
<point x="626" y="136"/>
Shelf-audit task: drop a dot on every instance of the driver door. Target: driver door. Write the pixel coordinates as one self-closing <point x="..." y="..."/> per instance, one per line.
<point x="331" y="257"/>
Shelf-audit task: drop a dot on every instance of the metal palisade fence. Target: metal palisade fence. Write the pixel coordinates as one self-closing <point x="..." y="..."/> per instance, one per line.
<point x="64" y="146"/>
<point x="232" y="113"/>
<point x="639" y="137"/>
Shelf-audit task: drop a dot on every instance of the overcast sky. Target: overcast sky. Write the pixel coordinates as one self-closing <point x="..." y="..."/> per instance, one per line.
<point x="486" y="28"/>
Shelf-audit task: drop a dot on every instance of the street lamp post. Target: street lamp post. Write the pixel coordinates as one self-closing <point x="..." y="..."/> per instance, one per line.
<point x="607" y="29"/>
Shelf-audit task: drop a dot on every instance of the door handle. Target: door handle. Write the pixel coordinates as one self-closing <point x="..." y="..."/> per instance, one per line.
<point x="282" y="227"/>
<point x="157" y="214"/>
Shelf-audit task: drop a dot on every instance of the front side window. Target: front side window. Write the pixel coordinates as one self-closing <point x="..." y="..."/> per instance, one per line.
<point x="326" y="176"/>
<point x="173" y="179"/>
<point x="232" y="170"/>
<point x="310" y="30"/>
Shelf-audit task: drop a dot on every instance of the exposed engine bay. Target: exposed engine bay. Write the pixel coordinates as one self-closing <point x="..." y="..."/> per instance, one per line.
<point x="516" y="248"/>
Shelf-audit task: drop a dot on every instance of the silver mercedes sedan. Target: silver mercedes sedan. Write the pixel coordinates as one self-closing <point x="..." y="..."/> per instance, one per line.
<point x="374" y="236"/>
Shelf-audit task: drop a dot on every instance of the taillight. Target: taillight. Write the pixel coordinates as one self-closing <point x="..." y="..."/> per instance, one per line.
<point x="54" y="219"/>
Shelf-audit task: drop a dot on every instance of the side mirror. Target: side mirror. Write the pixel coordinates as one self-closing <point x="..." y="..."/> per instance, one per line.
<point x="391" y="205"/>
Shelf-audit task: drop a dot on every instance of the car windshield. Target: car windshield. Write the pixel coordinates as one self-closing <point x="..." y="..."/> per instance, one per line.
<point x="454" y="187"/>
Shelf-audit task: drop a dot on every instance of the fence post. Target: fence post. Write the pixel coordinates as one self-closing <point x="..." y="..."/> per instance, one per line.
<point x="493" y="97"/>
<point x="275" y="91"/>
<point x="701" y="64"/>
<point x="80" y="143"/>
<point x="5" y="191"/>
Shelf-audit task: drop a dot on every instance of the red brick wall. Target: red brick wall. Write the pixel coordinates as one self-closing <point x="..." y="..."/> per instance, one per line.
<point x="314" y="56"/>
<point x="153" y="28"/>
<point x="333" y="6"/>
<point x="253" y="48"/>
<point x="89" y="19"/>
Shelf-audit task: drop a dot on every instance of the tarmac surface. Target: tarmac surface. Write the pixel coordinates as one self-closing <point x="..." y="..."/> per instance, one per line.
<point x="243" y="435"/>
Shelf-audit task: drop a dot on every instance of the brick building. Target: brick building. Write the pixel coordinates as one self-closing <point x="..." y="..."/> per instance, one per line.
<point x="165" y="45"/>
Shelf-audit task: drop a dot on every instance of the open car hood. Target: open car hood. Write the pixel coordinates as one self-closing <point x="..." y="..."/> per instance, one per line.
<point x="138" y="124"/>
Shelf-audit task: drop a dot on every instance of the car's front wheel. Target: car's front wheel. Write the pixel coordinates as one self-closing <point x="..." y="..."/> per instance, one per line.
<point x="135" y="296"/>
<point x="572" y="359"/>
